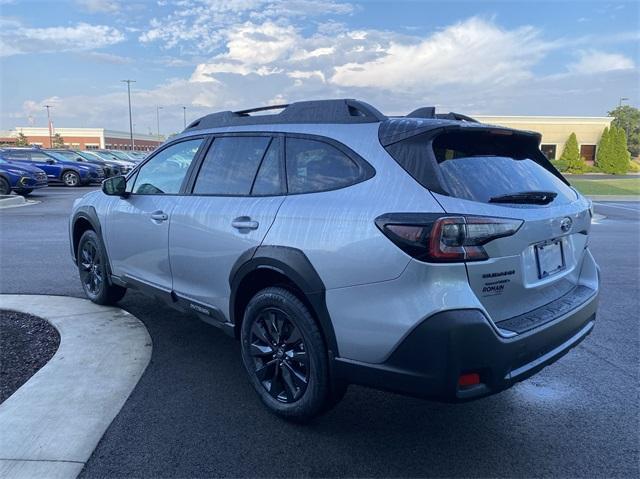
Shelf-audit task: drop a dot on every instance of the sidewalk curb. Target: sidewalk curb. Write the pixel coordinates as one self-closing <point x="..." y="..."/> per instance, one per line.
<point x="14" y="201"/>
<point x="52" y="424"/>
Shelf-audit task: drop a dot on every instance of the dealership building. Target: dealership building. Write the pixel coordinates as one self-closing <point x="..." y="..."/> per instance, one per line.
<point x="555" y="131"/>
<point x="84" y="138"/>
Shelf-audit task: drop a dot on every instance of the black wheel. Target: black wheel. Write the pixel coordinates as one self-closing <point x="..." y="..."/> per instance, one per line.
<point x="92" y="267"/>
<point x="70" y="178"/>
<point x="285" y="356"/>
<point x="25" y="191"/>
<point x="5" y="187"/>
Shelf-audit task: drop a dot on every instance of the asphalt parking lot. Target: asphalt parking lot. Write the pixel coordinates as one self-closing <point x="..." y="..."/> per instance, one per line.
<point x="194" y="414"/>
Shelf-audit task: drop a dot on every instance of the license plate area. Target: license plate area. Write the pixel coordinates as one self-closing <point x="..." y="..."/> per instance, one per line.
<point x="549" y="258"/>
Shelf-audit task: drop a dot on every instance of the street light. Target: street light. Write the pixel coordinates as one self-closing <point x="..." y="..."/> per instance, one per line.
<point x="158" y="108"/>
<point x="184" y="112"/>
<point x="129" y="82"/>
<point x="49" y="124"/>
<point x="622" y="98"/>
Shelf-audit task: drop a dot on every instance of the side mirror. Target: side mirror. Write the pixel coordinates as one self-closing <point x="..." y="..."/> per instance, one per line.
<point x="115" y="186"/>
<point x="50" y="161"/>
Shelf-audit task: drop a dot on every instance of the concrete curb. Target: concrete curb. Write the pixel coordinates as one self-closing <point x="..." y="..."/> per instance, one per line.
<point x="11" y="200"/>
<point x="52" y="424"/>
<point x="15" y="201"/>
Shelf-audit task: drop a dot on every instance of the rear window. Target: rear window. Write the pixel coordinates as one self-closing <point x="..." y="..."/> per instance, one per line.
<point x="480" y="165"/>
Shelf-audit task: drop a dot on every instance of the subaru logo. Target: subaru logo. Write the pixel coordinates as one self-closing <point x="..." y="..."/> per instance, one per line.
<point x="565" y="224"/>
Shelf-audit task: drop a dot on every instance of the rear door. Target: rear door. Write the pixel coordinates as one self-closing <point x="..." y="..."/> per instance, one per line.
<point x="234" y="200"/>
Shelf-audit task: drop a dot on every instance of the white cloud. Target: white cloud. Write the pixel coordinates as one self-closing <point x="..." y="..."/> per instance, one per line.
<point x="81" y="37"/>
<point x="107" y="58"/>
<point x="471" y="52"/>
<point x="99" y="6"/>
<point x="200" y="26"/>
<point x="595" y="61"/>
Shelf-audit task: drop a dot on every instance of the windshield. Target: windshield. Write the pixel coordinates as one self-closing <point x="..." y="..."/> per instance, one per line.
<point x="57" y="155"/>
<point x="485" y="165"/>
<point x="483" y="178"/>
<point x="90" y="156"/>
<point x="120" y="155"/>
<point x="69" y="155"/>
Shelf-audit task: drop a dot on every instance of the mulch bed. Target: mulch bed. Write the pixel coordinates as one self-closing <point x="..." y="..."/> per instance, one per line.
<point x="26" y="344"/>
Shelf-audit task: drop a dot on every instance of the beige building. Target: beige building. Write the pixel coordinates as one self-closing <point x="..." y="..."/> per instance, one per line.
<point x="555" y="131"/>
<point x="84" y="138"/>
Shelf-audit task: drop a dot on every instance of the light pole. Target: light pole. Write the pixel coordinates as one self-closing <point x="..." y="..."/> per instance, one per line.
<point x="49" y="123"/>
<point x="158" y="108"/>
<point x="622" y="98"/>
<point x="129" y="82"/>
<point x="184" y="114"/>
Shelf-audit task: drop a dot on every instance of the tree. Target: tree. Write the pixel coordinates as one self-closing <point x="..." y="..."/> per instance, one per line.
<point x="58" y="141"/>
<point x="22" y="140"/>
<point x="628" y="118"/>
<point x="571" y="155"/>
<point x="604" y="150"/>
<point x="620" y="152"/>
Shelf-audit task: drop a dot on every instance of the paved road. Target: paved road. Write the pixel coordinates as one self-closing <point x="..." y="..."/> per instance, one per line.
<point x="193" y="414"/>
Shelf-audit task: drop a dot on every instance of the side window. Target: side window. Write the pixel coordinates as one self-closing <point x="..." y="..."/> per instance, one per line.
<point x="230" y="165"/>
<point x="317" y="166"/>
<point x="269" y="179"/>
<point x="39" y="157"/>
<point x="164" y="173"/>
<point x="17" y="155"/>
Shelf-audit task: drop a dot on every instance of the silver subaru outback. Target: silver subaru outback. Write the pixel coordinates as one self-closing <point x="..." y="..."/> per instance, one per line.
<point x="427" y="254"/>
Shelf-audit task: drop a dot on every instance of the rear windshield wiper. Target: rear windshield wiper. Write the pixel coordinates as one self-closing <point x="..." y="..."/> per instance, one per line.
<point x="526" y="197"/>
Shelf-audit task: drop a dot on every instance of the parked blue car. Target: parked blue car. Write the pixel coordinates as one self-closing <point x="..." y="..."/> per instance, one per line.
<point x="22" y="179"/>
<point x="57" y="168"/>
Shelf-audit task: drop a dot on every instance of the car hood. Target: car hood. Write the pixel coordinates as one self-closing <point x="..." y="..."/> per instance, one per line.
<point x="21" y="167"/>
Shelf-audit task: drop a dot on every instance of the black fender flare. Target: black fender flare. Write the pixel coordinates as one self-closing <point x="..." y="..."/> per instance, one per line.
<point x="294" y="264"/>
<point x="87" y="213"/>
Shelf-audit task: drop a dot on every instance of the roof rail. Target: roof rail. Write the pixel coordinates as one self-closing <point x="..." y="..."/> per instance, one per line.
<point x="316" y="111"/>
<point x="430" y="112"/>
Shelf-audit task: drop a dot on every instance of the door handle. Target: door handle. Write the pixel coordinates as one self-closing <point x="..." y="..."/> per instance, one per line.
<point x="245" y="223"/>
<point x="159" y="216"/>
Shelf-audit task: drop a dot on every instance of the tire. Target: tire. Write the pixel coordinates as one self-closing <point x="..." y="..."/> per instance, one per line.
<point x="92" y="268"/>
<point x="70" y="178"/>
<point x="5" y="186"/>
<point x="25" y="191"/>
<point x="285" y="356"/>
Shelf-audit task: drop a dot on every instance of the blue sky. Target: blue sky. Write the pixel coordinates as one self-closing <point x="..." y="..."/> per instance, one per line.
<point x="475" y="57"/>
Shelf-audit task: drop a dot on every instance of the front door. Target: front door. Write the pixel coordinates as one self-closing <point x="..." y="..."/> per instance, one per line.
<point x="137" y="228"/>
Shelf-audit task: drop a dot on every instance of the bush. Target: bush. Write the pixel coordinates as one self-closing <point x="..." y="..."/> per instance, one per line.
<point x="634" y="167"/>
<point x="571" y="156"/>
<point x="559" y="165"/>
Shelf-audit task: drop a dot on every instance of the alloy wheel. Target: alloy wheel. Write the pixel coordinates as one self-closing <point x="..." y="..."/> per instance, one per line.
<point x="70" y="178"/>
<point x="91" y="272"/>
<point x="279" y="355"/>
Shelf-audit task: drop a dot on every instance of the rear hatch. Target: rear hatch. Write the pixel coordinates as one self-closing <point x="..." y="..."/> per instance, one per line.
<point x="499" y="173"/>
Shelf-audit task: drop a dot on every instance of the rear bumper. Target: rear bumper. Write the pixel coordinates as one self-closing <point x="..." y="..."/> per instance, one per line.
<point x="430" y="360"/>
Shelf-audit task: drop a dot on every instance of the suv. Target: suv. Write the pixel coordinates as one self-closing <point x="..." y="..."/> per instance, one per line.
<point x="110" y="168"/>
<point x="57" y="167"/>
<point x="429" y="254"/>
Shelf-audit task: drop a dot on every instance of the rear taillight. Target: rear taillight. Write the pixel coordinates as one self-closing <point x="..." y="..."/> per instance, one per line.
<point x="444" y="239"/>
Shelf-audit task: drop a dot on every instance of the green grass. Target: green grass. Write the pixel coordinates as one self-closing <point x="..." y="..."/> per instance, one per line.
<point x="630" y="186"/>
